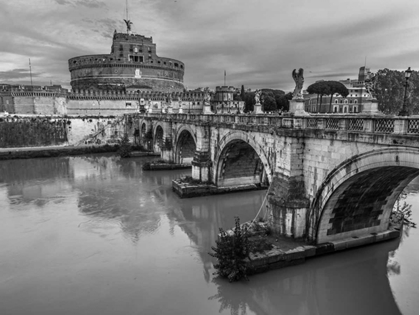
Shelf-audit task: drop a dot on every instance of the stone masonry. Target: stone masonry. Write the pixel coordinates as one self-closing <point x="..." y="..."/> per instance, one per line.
<point x="331" y="177"/>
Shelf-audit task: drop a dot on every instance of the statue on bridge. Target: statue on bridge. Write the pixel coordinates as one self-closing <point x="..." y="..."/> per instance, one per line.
<point x="207" y="96"/>
<point x="257" y="97"/>
<point x="370" y="83"/>
<point x="298" y="77"/>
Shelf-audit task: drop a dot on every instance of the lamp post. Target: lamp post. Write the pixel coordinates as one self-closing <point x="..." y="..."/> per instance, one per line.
<point x="404" y="111"/>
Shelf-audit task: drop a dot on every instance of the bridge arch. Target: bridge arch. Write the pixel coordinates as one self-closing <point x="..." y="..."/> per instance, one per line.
<point x="158" y="137"/>
<point x="357" y="197"/>
<point x="145" y="127"/>
<point x="235" y="151"/>
<point x="185" y="145"/>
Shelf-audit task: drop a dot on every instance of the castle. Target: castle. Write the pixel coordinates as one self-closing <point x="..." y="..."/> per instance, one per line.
<point x="132" y="65"/>
<point x="132" y="78"/>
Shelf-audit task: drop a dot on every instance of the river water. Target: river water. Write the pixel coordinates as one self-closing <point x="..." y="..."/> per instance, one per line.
<point x="97" y="235"/>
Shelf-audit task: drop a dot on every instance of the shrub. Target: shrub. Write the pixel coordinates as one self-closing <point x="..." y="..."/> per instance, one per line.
<point x="231" y="251"/>
<point x="125" y="148"/>
<point x="146" y="166"/>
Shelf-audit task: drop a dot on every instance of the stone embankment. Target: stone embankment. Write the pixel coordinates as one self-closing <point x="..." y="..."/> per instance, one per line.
<point x="288" y="251"/>
<point x="188" y="188"/>
<point x="161" y="166"/>
<point x="53" y="151"/>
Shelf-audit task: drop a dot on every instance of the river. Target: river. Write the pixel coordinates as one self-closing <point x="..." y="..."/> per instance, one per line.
<point x="97" y="235"/>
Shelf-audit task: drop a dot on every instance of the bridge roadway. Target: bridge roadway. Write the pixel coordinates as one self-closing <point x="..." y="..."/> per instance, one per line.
<point x="331" y="177"/>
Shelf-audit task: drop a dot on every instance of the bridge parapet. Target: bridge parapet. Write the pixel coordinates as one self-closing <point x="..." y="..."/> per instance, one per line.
<point x="351" y="123"/>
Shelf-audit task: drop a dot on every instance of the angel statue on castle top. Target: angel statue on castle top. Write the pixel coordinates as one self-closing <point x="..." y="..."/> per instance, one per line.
<point x="128" y="23"/>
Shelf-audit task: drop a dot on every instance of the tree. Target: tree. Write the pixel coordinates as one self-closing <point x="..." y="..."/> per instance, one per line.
<point x="336" y="87"/>
<point x="283" y="101"/>
<point x="231" y="251"/>
<point x="269" y="103"/>
<point x="321" y="88"/>
<point x="327" y="88"/>
<point x="125" y="148"/>
<point x="249" y="101"/>
<point x="242" y="93"/>
<point x="268" y="100"/>
<point x="389" y="91"/>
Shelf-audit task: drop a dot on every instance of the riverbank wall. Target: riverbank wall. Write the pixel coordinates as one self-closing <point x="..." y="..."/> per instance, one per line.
<point x="43" y="131"/>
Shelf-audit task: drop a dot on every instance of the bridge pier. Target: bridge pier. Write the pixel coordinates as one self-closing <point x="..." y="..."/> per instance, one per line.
<point x="287" y="206"/>
<point x="201" y="166"/>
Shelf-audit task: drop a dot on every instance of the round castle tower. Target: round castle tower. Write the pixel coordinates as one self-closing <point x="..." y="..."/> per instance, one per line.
<point x="132" y="64"/>
<point x="224" y="94"/>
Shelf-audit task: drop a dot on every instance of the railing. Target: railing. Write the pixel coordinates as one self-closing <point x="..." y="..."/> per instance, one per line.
<point x="351" y="123"/>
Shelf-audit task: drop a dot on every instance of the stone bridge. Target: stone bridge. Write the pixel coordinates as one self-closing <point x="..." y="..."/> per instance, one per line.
<point x="331" y="177"/>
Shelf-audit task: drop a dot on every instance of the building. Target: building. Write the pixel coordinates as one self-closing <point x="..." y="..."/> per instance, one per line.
<point x="32" y="99"/>
<point x="133" y="61"/>
<point x="353" y="103"/>
<point x="224" y="100"/>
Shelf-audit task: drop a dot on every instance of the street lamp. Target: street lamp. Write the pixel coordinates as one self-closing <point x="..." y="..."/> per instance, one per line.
<point x="404" y="111"/>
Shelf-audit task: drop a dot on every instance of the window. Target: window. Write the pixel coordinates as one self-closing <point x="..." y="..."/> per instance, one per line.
<point x="335" y="109"/>
<point x="345" y="101"/>
<point x="355" y="109"/>
<point x="345" y="109"/>
<point x="130" y="57"/>
<point x="127" y="104"/>
<point x="355" y="101"/>
<point x="136" y="49"/>
<point x="351" y="102"/>
<point x="336" y="101"/>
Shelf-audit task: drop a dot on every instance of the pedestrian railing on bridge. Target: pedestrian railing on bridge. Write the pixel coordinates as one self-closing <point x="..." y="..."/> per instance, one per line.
<point x="356" y="123"/>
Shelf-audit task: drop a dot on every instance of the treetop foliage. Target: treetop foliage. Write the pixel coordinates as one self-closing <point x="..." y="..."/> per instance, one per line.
<point x="390" y="86"/>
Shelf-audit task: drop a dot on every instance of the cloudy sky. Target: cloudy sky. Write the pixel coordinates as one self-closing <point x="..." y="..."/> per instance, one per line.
<point x="257" y="42"/>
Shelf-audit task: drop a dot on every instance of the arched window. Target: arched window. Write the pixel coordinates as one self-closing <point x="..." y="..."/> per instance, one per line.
<point x="355" y="109"/>
<point x="345" y="101"/>
<point x="345" y="109"/>
<point x="336" y="101"/>
<point x="351" y="101"/>
<point x="335" y="109"/>
<point x="355" y="101"/>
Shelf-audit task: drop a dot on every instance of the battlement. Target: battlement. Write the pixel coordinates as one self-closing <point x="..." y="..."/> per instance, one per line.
<point x="225" y="88"/>
<point x="132" y="37"/>
<point x="134" y="95"/>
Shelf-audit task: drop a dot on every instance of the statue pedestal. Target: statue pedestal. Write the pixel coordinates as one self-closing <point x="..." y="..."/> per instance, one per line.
<point x="297" y="107"/>
<point x="180" y="111"/>
<point x="207" y="109"/>
<point x="258" y="109"/>
<point x="169" y="110"/>
<point x="370" y="107"/>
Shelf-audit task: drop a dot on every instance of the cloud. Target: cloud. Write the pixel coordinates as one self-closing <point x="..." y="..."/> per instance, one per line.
<point x="17" y="74"/>
<point x="87" y="3"/>
<point x="258" y="43"/>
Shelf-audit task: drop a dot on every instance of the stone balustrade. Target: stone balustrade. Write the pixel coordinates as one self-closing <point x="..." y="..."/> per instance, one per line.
<point x="349" y="123"/>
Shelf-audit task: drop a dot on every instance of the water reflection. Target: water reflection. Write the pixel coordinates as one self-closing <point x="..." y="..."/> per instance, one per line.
<point x="353" y="282"/>
<point x="100" y="205"/>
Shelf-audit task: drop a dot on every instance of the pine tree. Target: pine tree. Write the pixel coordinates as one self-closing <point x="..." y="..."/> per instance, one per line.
<point x="231" y="251"/>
